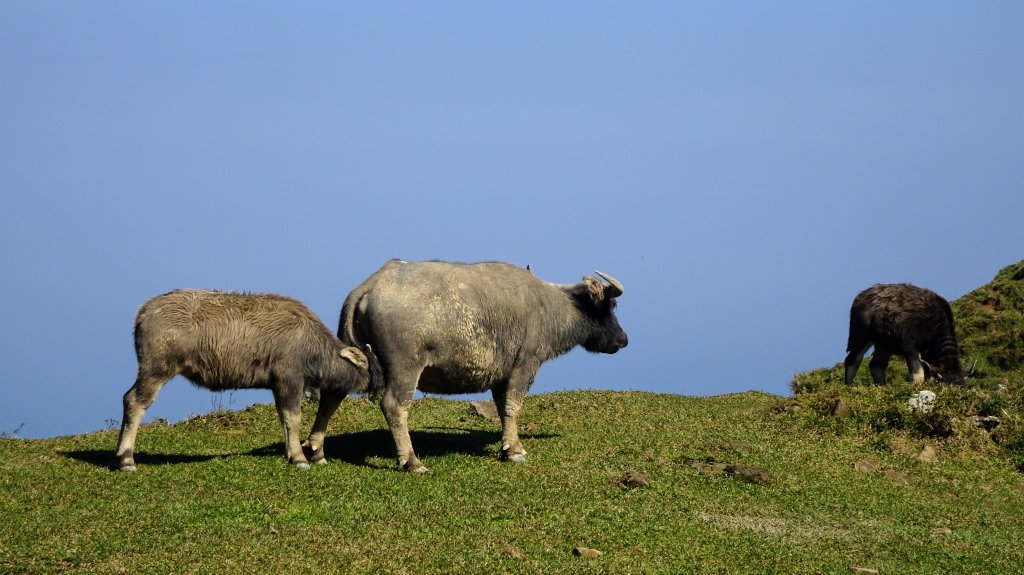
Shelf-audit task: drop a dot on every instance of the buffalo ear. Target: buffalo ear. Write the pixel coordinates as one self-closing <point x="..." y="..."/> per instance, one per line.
<point x="355" y="356"/>
<point x="594" y="288"/>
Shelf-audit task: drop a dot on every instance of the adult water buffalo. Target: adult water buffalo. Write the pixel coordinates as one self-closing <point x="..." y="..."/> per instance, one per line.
<point x="905" y="320"/>
<point x="464" y="328"/>
<point x="227" y="340"/>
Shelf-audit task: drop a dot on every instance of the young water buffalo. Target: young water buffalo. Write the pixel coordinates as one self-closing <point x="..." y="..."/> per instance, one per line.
<point x="464" y="328"/>
<point x="905" y="320"/>
<point x="227" y="340"/>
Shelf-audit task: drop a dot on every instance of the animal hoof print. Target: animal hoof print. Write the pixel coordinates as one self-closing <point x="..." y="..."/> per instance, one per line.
<point x="517" y="457"/>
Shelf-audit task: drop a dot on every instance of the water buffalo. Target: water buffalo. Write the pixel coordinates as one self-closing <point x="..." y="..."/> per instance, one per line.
<point x="905" y="320"/>
<point x="228" y="340"/>
<point x="464" y="328"/>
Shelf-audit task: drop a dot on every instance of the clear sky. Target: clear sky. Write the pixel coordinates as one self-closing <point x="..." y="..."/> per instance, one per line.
<point x="743" y="168"/>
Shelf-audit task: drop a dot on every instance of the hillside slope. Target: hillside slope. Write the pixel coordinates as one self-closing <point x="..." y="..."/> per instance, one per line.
<point x="983" y="416"/>
<point x="990" y="322"/>
<point x="214" y="495"/>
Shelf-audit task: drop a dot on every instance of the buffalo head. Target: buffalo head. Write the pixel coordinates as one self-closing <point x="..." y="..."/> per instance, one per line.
<point x="597" y="301"/>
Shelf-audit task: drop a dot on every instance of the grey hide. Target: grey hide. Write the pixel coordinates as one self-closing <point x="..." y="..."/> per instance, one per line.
<point x="227" y="340"/>
<point x="463" y="328"/>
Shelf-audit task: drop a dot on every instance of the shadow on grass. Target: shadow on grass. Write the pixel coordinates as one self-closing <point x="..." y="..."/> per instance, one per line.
<point x="106" y="458"/>
<point x="361" y="447"/>
<point x="357" y="448"/>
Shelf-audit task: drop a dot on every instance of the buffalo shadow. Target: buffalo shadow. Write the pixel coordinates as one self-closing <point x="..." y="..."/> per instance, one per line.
<point x="357" y="448"/>
<point x="106" y="458"/>
<point x="361" y="447"/>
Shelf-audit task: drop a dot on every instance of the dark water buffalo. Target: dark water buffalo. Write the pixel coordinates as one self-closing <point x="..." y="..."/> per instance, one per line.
<point x="463" y="328"/>
<point x="905" y="320"/>
<point x="228" y="340"/>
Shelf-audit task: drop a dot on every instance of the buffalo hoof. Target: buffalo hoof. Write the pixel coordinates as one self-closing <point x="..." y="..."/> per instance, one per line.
<point x="321" y="461"/>
<point x="414" y="467"/>
<point x="128" y="468"/>
<point x="508" y="455"/>
<point x="302" y="465"/>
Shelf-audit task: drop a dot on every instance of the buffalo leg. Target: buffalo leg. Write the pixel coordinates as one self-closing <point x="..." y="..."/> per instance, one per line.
<point x="879" y="363"/>
<point x="914" y="366"/>
<point x="398" y="395"/>
<point x="136" y="401"/>
<point x="508" y="399"/>
<point x="329" y="402"/>
<point x="288" y="399"/>
<point x="853" y="360"/>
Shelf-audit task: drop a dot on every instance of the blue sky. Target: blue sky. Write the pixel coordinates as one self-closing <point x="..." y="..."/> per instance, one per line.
<point x="743" y="168"/>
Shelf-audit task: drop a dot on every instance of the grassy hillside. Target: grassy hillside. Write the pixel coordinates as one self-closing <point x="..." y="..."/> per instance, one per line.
<point x="990" y="329"/>
<point x="214" y="495"/>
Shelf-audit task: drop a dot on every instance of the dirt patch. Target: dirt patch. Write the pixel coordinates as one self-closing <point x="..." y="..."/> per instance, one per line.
<point x="769" y="526"/>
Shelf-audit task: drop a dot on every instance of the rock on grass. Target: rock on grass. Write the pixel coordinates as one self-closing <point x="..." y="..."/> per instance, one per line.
<point x="634" y="480"/>
<point x="586" y="552"/>
<point x="749" y="474"/>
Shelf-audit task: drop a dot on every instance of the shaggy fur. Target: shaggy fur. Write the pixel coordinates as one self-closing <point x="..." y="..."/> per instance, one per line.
<point x="463" y="328"/>
<point x="904" y="320"/>
<point x="228" y="340"/>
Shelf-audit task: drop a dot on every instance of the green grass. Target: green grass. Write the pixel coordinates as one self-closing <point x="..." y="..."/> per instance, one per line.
<point x="214" y="495"/>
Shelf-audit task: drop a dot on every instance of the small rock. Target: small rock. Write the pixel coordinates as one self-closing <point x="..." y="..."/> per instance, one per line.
<point x="864" y="570"/>
<point x="842" y="409"/>
<point x="923" y="401"/>
<point x="634" y="480"/>
<point x="749" y="474"/>
<point x="928" y="455"/>
<point x="586" y="552"/>
<point x="486" y="409"/>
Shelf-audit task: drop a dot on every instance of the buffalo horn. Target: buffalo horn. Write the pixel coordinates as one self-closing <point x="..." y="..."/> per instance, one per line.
<point x="614" y="288"/>
<point x="970" y="368"/>
<point x="929" y="366"/>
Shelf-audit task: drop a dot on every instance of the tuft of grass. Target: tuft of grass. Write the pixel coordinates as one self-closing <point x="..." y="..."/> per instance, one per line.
<point x="214" y="495"/>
